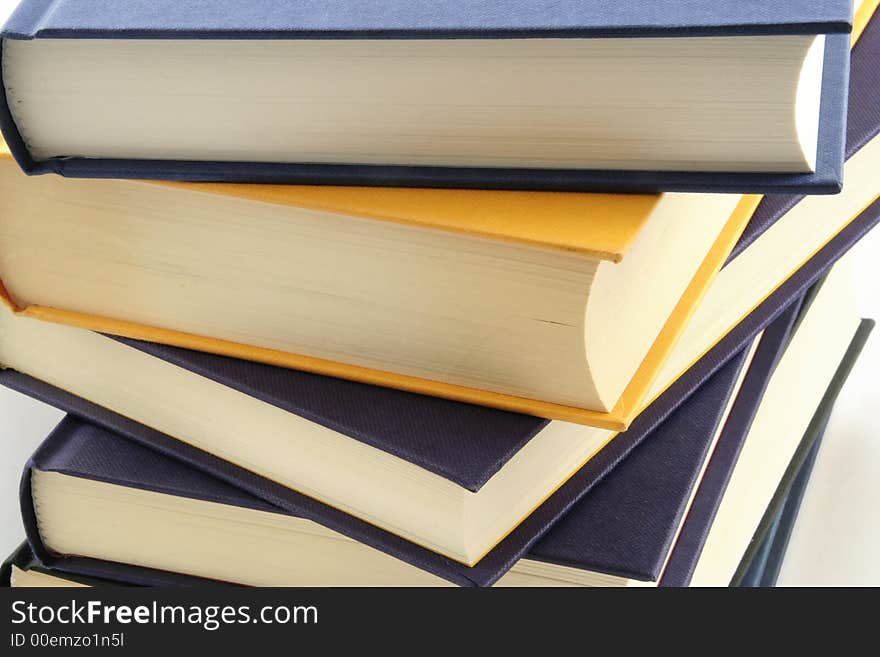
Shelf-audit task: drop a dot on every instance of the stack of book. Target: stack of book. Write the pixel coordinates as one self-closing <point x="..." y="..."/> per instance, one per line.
<point x="407" y="293"/>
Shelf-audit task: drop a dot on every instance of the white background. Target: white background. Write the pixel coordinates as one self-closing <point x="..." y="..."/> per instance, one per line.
<point x="837" y="536"/>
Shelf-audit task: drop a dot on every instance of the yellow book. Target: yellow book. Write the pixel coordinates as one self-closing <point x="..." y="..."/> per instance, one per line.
<point x="558" y="305"/>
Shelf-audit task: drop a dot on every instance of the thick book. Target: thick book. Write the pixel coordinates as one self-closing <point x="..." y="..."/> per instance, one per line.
<point x="90" y="489"/>
<point x="516" y="326"/>
<point x="530" y="301"/>
<point x="525" y="95"/>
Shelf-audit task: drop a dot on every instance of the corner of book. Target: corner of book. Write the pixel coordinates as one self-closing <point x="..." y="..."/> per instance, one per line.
<point x="6" y="302"/>
<point x="867" y="325"/>
<point x="833" y="188"/>
<point x="862" y="16"/>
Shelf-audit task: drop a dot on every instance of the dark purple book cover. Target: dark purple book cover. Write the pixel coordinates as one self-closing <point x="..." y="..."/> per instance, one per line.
<point x="677" y="437"/>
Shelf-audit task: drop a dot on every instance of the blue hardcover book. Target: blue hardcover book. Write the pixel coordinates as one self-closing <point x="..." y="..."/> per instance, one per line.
<point x="610" y="95"/>
<point x="862" y="126"/>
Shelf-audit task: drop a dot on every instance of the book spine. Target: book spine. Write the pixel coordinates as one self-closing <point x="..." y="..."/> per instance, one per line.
<point x="14" y="139"/>
<point x="695" y="529"/>
<point x="424" y="19"/>
<point x="784" y="526"/>
<point x="49" y="452"/>
<point x="29" y="515"/>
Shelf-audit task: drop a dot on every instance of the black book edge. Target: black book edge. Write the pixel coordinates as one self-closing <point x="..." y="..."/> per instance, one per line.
<point x="692" y="537"/>
<point x="800" y="463"/>
<point x="783" y="527"/>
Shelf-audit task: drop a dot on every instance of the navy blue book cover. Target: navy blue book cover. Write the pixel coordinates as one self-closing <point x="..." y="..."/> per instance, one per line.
<point x="286" y="19"/>
<point x="616" y="485"/>
<point x="402" y="19"/>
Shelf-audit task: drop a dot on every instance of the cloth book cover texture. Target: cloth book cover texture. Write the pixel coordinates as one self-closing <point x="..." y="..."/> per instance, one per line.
<point x="85" y="450"/>
<point x="424" y="19"/>
<point x="575" y="536"/>
<point x="268" y="495"/>
<point x="668" y="421"/>
<point x="762" y="570"/>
